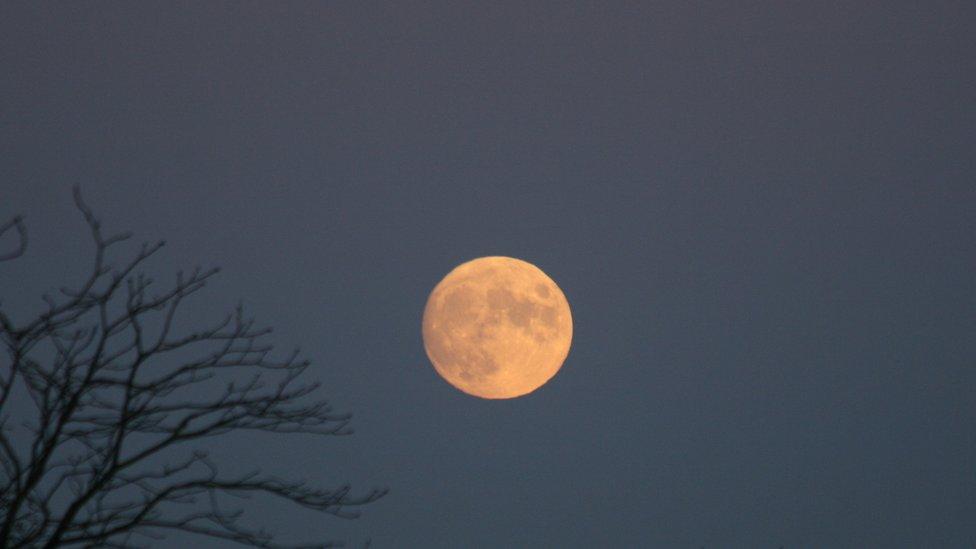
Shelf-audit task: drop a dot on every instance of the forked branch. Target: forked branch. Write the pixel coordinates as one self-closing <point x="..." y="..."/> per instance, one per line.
<point x="120" y="397"/>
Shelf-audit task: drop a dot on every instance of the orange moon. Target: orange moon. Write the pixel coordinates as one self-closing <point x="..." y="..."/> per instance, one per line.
<point x="497" y="327"/>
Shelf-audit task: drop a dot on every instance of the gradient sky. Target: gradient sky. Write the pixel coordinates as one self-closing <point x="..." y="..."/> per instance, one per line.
<point x="763" y="215"/>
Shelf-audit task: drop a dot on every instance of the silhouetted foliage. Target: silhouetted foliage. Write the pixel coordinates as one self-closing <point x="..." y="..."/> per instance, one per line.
<point x="116" y="399"/>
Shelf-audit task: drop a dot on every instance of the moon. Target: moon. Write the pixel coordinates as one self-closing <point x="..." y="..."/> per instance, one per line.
<point x="497" y="327"/>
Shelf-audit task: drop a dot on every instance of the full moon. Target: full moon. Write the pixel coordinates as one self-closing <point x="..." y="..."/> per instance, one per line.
<point x="497" y="327"/>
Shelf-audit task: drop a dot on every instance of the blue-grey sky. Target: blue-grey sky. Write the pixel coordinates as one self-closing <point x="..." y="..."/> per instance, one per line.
<point x="762" y="214"/>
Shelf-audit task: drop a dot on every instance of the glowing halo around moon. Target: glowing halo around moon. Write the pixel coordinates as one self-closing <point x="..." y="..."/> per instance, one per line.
<point x="497" y="327"/>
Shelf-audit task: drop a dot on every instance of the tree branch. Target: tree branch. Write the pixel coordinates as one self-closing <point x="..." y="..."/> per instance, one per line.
<point x="18" y="224"/>
<point x="120" y="397"/>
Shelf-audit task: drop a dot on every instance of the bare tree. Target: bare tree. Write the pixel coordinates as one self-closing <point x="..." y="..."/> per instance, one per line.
<point x="117" y="398"/>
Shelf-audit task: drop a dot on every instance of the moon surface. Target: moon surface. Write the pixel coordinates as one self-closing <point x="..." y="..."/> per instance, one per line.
<point x="497" y="327"/>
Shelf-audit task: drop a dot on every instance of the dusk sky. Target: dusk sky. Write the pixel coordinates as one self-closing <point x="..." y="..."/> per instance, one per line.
<point x="762" y="215"/>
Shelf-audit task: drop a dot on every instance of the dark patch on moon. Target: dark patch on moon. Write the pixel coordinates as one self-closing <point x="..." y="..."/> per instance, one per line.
<point x="520" y="311"/>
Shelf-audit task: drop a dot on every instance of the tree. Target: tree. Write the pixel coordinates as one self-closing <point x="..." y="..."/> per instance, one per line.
<point x="118" y="398"/>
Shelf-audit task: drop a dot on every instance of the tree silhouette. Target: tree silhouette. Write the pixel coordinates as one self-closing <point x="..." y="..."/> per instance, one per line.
<point x="116" y="398"/>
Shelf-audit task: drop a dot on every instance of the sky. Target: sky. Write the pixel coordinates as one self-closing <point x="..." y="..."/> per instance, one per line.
<point x="761" y="213"/>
